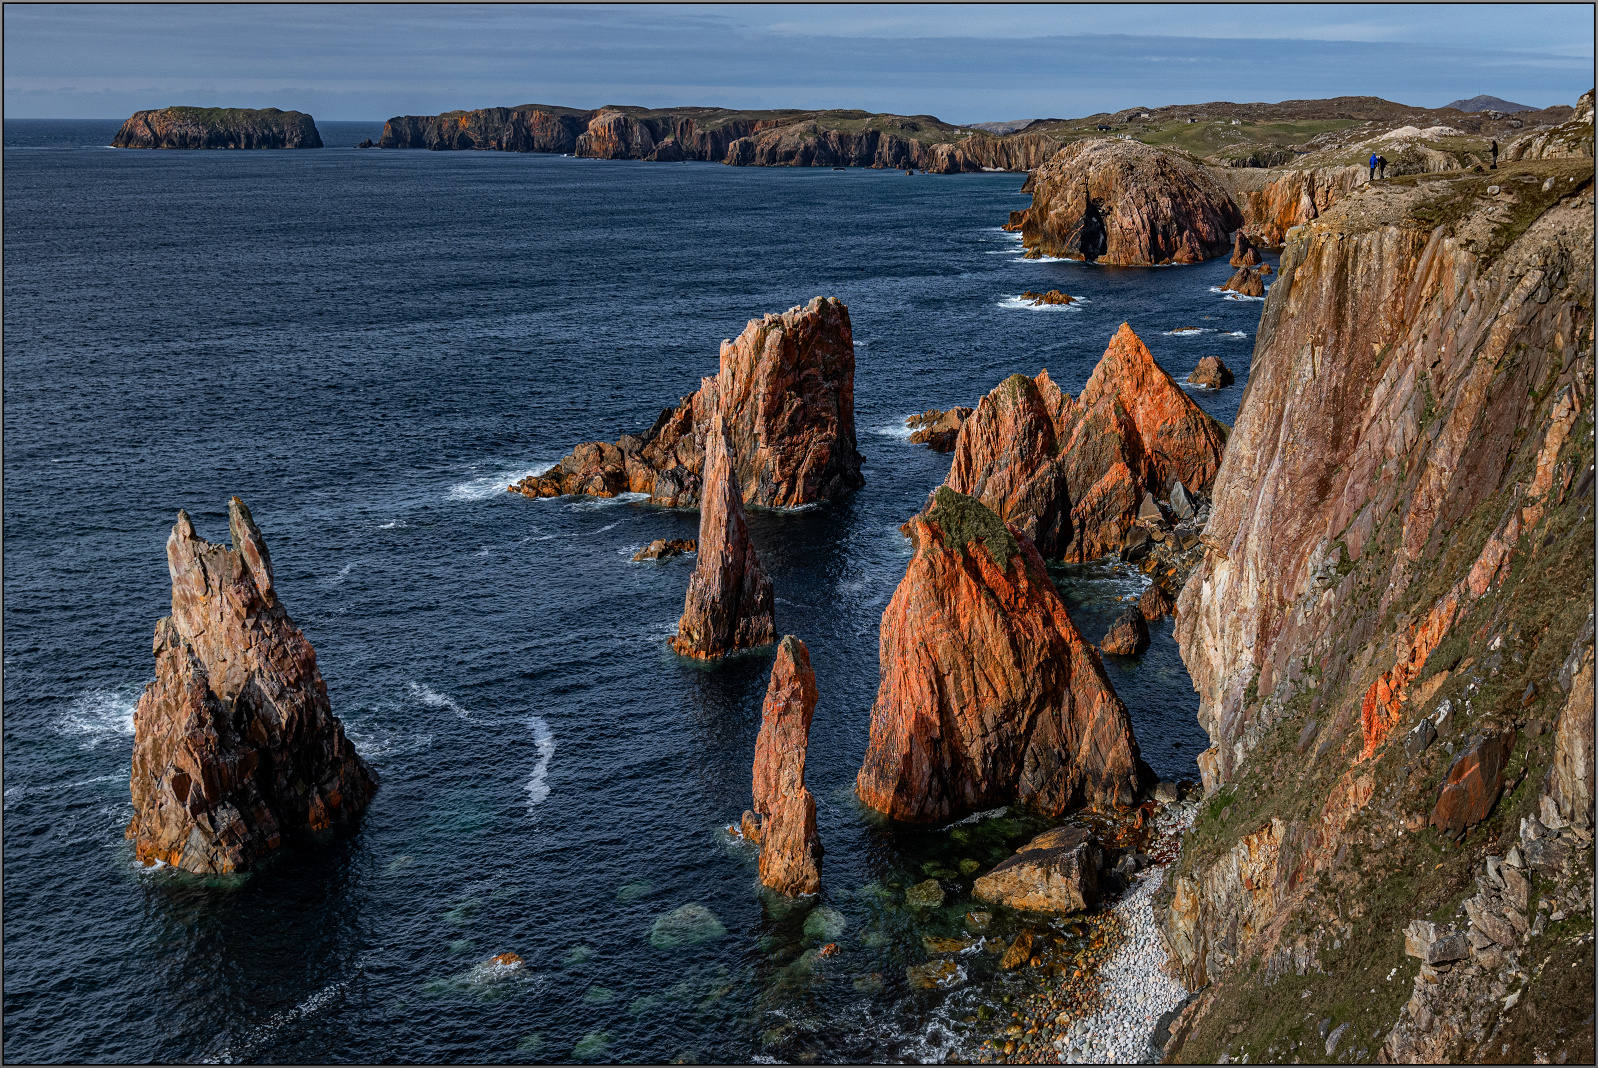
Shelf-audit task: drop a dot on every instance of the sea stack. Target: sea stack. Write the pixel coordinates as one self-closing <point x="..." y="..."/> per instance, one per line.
<point x="784" y="817"/>
<point x="184" y="127"/>
<point x="785" y="392"/>
<point x="1127" y="204"/>
<point x="1071" y="474"/>
<point x="1211" y="373"/>
<point x="729" y="603"/>
<point x="235" y="749"/>
<point x="989" y="695"/>
<point x="1244" y="254"/>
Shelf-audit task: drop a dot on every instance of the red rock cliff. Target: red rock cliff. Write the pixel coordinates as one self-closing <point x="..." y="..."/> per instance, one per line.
<point x="989" y="695"/>
<point x="235" y="747"/>
<point x="1399" y="571"/>
<point x="1124" y="203"/>
<point x="790" y="849"/>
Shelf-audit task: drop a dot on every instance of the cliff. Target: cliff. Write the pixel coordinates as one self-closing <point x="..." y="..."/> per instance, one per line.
<point x="989" y="695"/>
<point x="1386" y="633"/>
<point x="784" y="817"/>
<point x="235" y="748"/>
<point x="1272" y="202"/>
<point x="182" y="127"/>
<point x="1123" y="203"/>
<point x="785" y="392"/>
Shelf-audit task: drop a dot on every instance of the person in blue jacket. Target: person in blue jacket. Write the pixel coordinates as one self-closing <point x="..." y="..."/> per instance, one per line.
<point x="1372" y="177"/>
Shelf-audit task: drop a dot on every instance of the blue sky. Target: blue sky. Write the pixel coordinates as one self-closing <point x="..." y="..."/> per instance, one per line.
<point x="963" y="63"/>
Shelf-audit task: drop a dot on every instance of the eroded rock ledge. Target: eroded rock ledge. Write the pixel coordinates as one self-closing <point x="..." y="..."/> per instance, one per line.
<point x="235" y="749"/>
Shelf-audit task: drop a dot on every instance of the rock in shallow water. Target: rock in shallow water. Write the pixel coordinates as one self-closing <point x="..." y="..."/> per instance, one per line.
<point x="1128" y="635"/>
<point x="1211" y="373"/>
<point x="687" y="925"/>
<point x="1057" y="871"/>
<point x="662" y="549"/>
<point x="790" y="849"/>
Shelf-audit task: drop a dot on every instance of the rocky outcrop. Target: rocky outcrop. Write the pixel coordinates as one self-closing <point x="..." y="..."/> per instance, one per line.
<point x="664" y="549"/>
<point x="989" y="695"/>
<point x="729" y="602"/>
<point x="785" y="392"/>
<point x="1572" y="139"/>
<point x="235" y="749"/>
<point x="1128" y="635"/>
<point x="1058" y="871"/>
<point x="1053" y="296"/>
<point x="1211" y="373"/>
<point x="1273" y="202"/>
<point x="1244" y="254"/>
<point x="1125" y="203"/>
<point x="183" y="127"/>
<point x="1071" y="473"/>
<point x="1155" y="603"/>
<point x="1400" y="550"/>
<point x="784" y="816"/>
<point x="1246" y="282"/>
<point x="937" y="430"/>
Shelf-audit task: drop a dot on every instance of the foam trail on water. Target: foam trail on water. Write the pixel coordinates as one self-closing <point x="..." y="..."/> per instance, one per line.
<point x="1017" y="302"/>
<point x="269" y="1030"/>
<point x="433" y="699"/>
<point x="98" y="716"/>
<point x="481" y="489"/>
<point x="895" y="430"/>
<point x="544" y="738"/>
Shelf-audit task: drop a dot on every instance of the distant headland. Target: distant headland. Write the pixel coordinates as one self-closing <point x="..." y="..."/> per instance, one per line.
<point x="184" y="127"/>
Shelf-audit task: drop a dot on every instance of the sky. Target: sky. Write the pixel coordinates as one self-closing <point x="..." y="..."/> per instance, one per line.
<point x="961" y="62"/>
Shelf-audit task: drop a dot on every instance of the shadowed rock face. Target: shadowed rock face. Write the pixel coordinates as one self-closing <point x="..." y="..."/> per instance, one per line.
<point x="729" y="602"/>
<point x="1472" y="786"/>
<point x="989" y="695"/>
<point x="235" y="747"/>
<point x="785" y="392"/>
<point x="1212" y="373"/>
<point x="184" y="127"/>
<point x="790" y="849"/>
<point x="1070" y="474"/>
<point x="1123" y="203"/>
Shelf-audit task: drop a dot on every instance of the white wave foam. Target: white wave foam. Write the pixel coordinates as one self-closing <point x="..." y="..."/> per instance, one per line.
<point x="1229" y="295"/>
<point x="1188" y="331"/>
<point x="895" y="430"/>
<point x="396" y="524"/>
<point x="537" y="788"/>
<point x="1236" y="333"/>
<point x="977" y="817"/>
<point x="481" y="489"/>
<point x="585" y="504"/>
<point x="98" y="716"/>
<point x="261" y="1035"/>
<point x="433" y="699"/>
<point x="339" y="578"/>
<point x="1018" y="302"/>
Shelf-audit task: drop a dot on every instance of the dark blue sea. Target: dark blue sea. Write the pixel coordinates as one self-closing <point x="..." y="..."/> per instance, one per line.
<point x="368" y="346"/>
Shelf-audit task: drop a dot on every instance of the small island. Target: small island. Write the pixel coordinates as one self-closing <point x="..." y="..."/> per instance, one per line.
<point x="183" y="127"/>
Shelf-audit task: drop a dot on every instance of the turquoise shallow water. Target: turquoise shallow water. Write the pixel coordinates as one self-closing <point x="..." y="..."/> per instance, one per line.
<point x="367" y="346"/>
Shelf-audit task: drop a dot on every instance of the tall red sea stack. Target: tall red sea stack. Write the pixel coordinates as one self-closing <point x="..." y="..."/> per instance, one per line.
<point x="235" y="746"/>
<point x="790" y="849"/>
<point x="729" y="602"/>
<point x="989" y="695"/>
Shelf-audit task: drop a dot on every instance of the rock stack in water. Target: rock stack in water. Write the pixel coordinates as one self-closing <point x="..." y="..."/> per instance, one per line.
<point x="989" y="695"/>
<point x="1246" y="282"/>
<point x="1070" y="474"/>
<point x="235" y="747"/>
<point x="785" y="392"/>
<point x="784" y="817"/>
<point x="188" y="127"/>
<point x="729" y="603"/>
<point x="1244" y="254"/>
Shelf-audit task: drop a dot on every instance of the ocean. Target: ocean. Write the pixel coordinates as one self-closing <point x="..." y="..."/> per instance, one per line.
<point x="367" y="347"/>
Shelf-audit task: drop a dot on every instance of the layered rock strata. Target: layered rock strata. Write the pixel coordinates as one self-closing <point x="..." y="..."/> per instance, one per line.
<point x="785" y="393"/>
<point x="236" y="749"/>
<point x="729" y="604"/>
<point x="1124" y="203"/>
<point x="1272" y="202"/>
<point x="184" y="127"/>
<point x="784" y="816"/>
<point x="1071" y="473"/>
<point x="989" y="695"/>
<point x="1399" y="565"/>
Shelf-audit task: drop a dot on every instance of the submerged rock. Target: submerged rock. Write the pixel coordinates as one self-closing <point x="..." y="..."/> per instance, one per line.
<point x="662" y="549"/>
<point x="235" y="746"/>
<point x="790" y="849"/>
<point x="1211" y="373"/>
<point x="687" y="925"/>
<point x="729" y="602"/>
<point x="785" y="395"/>
<point x="1058" y="871"/>
<point x="1124" y="203"/>
<point x="989" y="695"/>
<point x="924" y="895"/>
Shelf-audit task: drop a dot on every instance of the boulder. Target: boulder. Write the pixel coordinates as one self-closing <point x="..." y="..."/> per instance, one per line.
<point x="1053" y="296"/>
<point x="1211" y="373"/>
<point x="1182" y="504"/>
<point x="924" y="895"/>
<point x="1120" y="202"/>
<point x="785" y="394"/>
<point x="1148" y="511"/>
<point x="790" y="850"/>
<point x="662" y="549"/>
<point x="989" y="695"/>
<point x="1472" y="785"/>
<point x="1155" y="603"/>
<point x="937" y="430"/>
<point x="1419" y="738"/>
<point x="729" y="604"/>
<point x="1056" y="872"/>
<point x="1247" y="282"/>
<point x="1244" y="254"/>
<point x="1128" y="635"/>
<point x="235" y="746"/>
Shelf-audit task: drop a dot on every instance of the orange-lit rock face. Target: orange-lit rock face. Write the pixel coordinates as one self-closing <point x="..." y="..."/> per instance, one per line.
<point x="729" y="602"/>
<point x="235" y="746"/>
<point x="790" y="850"/>
<point x="1070" y="474"/>
<point x="1124" y="203"/>
<point x="1472" y="786"/>
<point x="989" y="695"/>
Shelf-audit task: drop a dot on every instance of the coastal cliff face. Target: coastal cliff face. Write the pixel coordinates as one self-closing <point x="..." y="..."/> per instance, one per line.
<point x="1272" y="202"/>
<point x="790" y="849"/>
<point x="1391" y="618"/>
<point x="1123" y="203"/>
<point x="989" y="695"/>
<point x="235" y="746"/>
<point x="183" y="127"/>
<point x="785" y="392"/>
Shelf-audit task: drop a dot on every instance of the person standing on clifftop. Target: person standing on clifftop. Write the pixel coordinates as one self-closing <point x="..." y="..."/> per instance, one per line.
<point x="1372" y="177"/>
<point x="1495" y="155"/>
<point x="1381" y="166"/>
